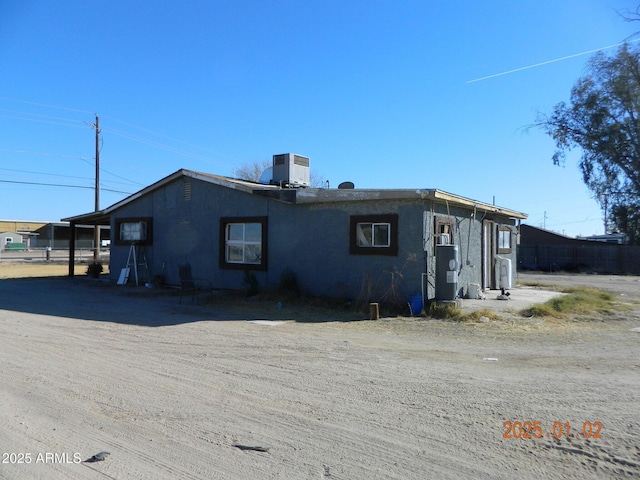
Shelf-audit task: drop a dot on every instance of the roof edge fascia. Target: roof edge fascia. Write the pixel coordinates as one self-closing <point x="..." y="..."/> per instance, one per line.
<point x="467" y="202"/>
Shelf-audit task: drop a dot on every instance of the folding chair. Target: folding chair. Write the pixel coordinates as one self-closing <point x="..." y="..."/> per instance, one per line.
<point x="188" y="284"/>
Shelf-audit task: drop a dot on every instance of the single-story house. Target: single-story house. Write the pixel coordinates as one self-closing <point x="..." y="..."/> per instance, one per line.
<point x="11" y="240"/>
<point x="369" y="244"/>
<point x="26" y="228"/>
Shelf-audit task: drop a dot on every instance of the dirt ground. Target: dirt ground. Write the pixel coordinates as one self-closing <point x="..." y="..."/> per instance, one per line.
<point x="255" y="390"/>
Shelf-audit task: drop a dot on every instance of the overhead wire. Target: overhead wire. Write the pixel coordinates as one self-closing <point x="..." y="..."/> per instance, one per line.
<point x="63" y="121"/>
<point x="161" y="146"/>
<point x="26" y="102"/>
<point x="48" y="119"/>
<point x="41" y="121"/>
<point x="46" y="154"/>
<point x="44" y="173"/>
<point x="169" y="138"/>
<point x="62" y="185"/>
<point x="83" y="159"/>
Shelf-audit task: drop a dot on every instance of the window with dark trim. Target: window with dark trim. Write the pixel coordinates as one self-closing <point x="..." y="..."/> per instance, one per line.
<point x="504" y="239"/>
<point x="138" y="230"/>
<point x="243" y="243"/>
<point x="373" y="234"/>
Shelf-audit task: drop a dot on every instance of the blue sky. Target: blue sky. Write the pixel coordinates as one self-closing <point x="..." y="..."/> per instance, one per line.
<point x="375" y="92"/>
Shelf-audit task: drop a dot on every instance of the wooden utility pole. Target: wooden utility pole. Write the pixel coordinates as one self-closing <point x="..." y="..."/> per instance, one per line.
<point x="96" y="236"/>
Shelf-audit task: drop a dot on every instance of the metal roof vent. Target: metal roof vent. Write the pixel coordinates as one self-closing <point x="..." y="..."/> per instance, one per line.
<point x="291" y="170"/>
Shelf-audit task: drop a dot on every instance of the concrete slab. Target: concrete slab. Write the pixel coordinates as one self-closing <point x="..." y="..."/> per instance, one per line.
<point x="519" y="299"/>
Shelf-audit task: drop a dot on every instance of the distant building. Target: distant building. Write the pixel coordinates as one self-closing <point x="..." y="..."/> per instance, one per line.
<point x="547" y="251"/>
<point x="56" y="235"/>
<point x="11" y="241"/>
<point x="619" y="238"/>
<point x="28" y="230"/>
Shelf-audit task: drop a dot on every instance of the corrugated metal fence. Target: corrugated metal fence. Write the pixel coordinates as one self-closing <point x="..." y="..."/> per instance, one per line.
<point x="600" y="258"/>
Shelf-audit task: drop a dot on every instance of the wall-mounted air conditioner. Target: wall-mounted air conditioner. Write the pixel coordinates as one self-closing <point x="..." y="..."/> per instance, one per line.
<point x="443" y="239"/>
<point x="291" y="170"/>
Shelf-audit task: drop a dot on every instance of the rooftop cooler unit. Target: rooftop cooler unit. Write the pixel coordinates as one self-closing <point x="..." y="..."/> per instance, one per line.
<point x="291" y="170"/>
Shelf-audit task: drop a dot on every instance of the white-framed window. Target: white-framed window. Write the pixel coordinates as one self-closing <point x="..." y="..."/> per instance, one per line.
<point x="133" y="231"/>
<point x="504" y="240"/>
<point x="8" y="240"/>
<point x="369" y="234"/>
<point x="243" y="242"/>
<point x="373" y="234"/>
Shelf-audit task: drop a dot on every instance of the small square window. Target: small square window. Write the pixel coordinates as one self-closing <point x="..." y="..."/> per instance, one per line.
<point x="133" y="230"/>
<point x="243" y="242"/>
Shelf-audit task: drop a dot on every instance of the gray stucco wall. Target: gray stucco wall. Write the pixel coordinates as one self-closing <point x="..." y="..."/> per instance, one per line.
<point x="311" y="239"/>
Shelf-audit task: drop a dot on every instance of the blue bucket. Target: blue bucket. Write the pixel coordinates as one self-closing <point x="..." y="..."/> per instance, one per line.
<point x="415" y="304"/>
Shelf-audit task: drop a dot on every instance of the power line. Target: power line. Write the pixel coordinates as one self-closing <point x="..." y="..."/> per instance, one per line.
<point x="160" y="146"/>
<point x="51" y="117"/>
<point x="170" y="138"/>
<point x="45" y="184"/>
<point x="44" y="154"/>
<point x="53" y="120"/>
<point x="41" y="121"/>
<point x="62" y="185"/>
<point x="121" y="178"/>
<point x="114" y="131"/>
<point x="132" y="182"/>
<point x="44" y="173"/>
<point x="44" y="105"/>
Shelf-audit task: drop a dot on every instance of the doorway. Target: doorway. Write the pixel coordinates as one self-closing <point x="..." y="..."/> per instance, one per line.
<point x="488" y="254"/>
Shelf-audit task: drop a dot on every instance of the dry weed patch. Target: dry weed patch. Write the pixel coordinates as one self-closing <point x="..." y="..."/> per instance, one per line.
<point x="577" y="301"/>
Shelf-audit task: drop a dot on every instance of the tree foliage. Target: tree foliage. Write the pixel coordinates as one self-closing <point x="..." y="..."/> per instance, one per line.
<point x="251" y="171"/>
<point x="603" y="120"/>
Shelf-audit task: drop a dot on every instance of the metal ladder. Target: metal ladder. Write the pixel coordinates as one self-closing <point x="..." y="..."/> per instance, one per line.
<point x="134" y="260"/>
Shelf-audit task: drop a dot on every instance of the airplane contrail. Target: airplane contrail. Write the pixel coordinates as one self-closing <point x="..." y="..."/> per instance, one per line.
<point x="549" y="61"/>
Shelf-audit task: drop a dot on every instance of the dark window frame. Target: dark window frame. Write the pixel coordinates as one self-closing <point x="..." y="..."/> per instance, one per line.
<point x="391" y="219"/>
<point x="439" y="222"/>
<point x="119" y="221"/>
<point x="263" y="265"/>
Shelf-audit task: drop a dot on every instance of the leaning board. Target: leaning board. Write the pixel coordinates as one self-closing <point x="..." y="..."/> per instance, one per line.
<point x="124" y="276"/>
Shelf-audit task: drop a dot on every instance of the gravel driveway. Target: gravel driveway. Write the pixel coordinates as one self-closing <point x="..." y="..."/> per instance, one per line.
<point x="180" y="391"/>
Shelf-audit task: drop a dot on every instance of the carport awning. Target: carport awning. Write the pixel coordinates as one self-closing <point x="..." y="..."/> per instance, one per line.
<point x="94" y="218"/>
<point x="99" y="218"/>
